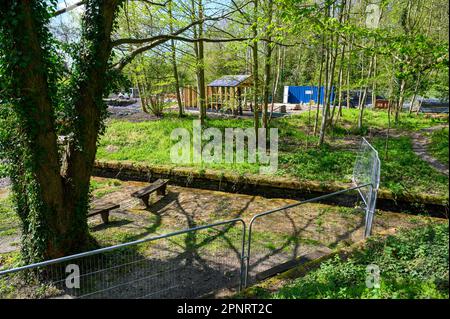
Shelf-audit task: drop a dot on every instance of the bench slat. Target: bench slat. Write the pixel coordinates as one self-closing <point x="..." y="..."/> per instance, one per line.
<point x="150" y="189"/>
<point x="102" y="208"/>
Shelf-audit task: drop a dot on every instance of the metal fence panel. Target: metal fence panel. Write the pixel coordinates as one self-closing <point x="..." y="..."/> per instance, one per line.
<point x="192" y="263"/>
<point x="367" y="172"/>
<point x="280" y="237"/>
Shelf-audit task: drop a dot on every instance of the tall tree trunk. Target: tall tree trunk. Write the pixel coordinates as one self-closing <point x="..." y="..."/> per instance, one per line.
<point x="416" y="90"/>
<point x="142" y="96"/>
<point x="349" y="61"/>
<point x="268" y="64"/>
<point x="374" y="82"/>
<point x="342" y="10"/>
<point x="364" y="95"/>
<point x="401" y="97"/>
<point x="340" y="79"/>
<point x="329" y="80"/>
<point x="319" y="91"/>
<point x="277" y="80"/>
<point x="54" y="198"/>
<point x="325" y="100"/>
<point x="201" y="64"/>
<point x="174" y="63"/>
<point x="255" y="67"/>
<point x="197" y="13"/>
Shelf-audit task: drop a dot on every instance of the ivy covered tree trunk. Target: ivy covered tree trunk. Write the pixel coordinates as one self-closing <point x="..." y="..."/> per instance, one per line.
<point x="51" y="186"/>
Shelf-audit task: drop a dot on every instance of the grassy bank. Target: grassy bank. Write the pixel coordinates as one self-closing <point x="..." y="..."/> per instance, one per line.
<point x="439" y="145"/>
<point x="2" y="170"/>
<point x="413" y="264"/>
<point x="402" y="171"/>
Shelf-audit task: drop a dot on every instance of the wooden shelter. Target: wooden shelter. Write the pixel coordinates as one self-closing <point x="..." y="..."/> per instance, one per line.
<point x="224" y="93"/>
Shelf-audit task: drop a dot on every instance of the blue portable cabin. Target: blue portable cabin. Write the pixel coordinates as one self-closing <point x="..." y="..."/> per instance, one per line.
<point x="304" y="94"/>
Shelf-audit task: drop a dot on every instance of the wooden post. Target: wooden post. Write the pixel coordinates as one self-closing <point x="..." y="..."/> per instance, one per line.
<point x="190" y="96"/>
<point x="206" y="97"/>
<point x="227" y="96"/>
<point x="217" y="97"/>
<point x="234" y="101"/>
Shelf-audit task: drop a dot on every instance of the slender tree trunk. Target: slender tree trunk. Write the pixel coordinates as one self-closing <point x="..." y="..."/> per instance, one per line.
<point x="255" y="67"/>
<point x="340" y="86"/>
<point x="268" y="65"/>
<point x="319" y="92"/>
<point x="142" y="96"/>
<point x="416" y="89"/>
<point x="349" y="61"/>
<point x="174" y="63"/>
<point x="201" y="64"/>
<point x="374" y="83"/>
<point x="391" y="101"/>
<point x="277" y="80"/>
<point x="401" y="97"/>
<point x="329" y="80"/>
<point x="197" y="13"/>
<point x="342" y="9"/>
<point x="364" y="95"/>
<point x="386" y="145"/>
<point x="325" y="102"/>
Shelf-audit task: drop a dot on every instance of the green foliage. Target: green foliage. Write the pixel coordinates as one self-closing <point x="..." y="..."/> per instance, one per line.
<point x="3" y="170"/>
<point x="439" y="145"/>
<point x="9" y="220"/>
<point x="413" y="264"/>
<point x="100" y="188"/>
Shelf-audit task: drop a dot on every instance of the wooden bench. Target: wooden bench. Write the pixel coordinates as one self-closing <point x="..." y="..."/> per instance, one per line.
<point x="144" y="194"/>
<point x="103" y="210"/>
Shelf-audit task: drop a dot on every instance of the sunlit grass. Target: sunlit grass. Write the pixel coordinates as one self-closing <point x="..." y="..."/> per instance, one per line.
<point x="439" y="145"/>
<point x="299" y="157"/>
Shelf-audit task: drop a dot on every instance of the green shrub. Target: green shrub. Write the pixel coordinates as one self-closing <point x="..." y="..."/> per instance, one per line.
<point x="413" y="264"/>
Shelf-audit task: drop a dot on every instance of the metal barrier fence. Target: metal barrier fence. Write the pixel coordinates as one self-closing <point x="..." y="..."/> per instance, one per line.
<point x="190" y="263"/>
<point x="367" y="172"/>
<point x="196" y="262"/>
<point x="280" y="236"/>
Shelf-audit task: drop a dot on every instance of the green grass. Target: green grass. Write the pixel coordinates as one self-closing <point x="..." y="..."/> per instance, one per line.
<point x="2" y="170"/>
<point x="413" y="264"/>
<point x="100" y="188"/>
<point x="439" y="145"/>
<point x="149" y="142"/>
<point x="402" y="171"/>
<point x="380" y="120"/>
<point x="9" y="221"/>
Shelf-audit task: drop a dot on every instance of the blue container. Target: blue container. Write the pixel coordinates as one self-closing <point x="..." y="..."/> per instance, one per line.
<point x="304" y="94"/>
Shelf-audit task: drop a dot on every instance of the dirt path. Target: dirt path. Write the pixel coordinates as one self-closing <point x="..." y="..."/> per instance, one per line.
<point x="420" y="144"/>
